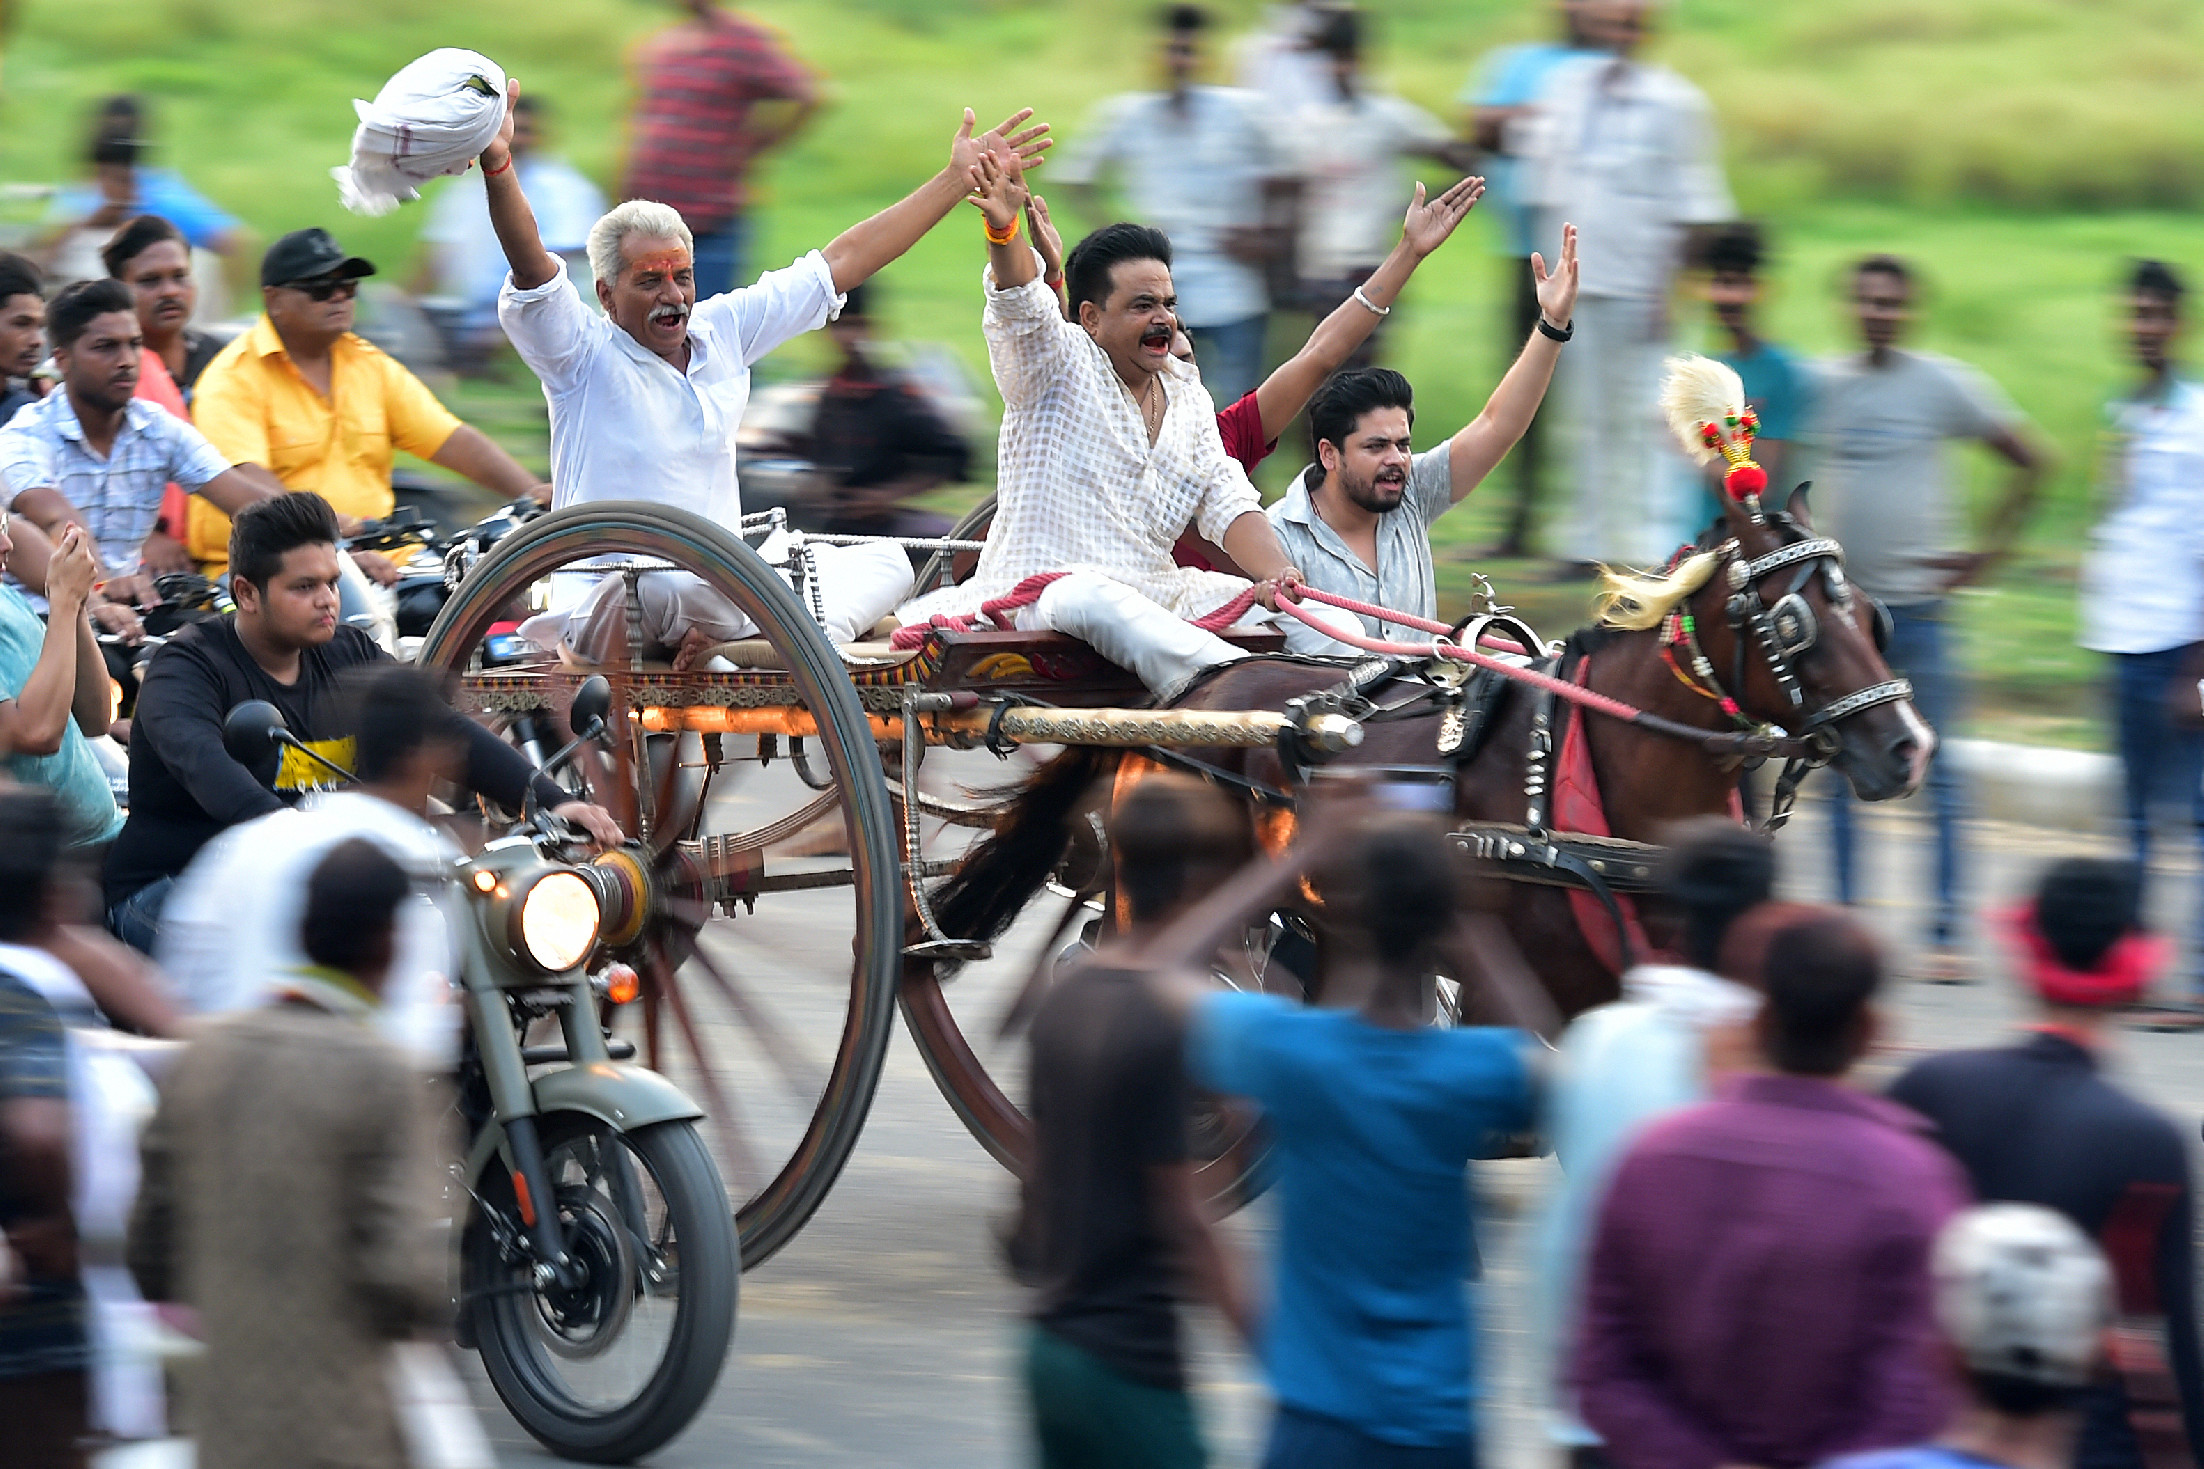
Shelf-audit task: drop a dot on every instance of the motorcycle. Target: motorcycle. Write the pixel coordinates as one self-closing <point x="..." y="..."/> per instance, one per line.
<point x="599" y="1264"/>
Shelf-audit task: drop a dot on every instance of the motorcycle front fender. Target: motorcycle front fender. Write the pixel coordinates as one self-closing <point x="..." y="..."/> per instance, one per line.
<point x="622" y="1096"/>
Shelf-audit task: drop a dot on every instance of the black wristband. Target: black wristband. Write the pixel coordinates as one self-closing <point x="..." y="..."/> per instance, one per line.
<point x="1558" y="333"/>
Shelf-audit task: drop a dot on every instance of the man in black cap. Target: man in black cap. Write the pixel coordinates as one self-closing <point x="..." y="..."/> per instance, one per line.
<point x="323" y="408"/>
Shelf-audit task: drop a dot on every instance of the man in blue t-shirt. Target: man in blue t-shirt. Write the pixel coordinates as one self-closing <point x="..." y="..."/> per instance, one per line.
<point x="1374" y="1115"/>
<point x="1500" y="102"/>
<point x="1776" y="385"/>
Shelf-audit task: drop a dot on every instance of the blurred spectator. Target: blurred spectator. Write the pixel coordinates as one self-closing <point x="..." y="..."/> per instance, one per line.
<point x="22" y="332"/>
<point x="1678" y="1033"/>
<point x="462" y="260"/>
<point x="285" y="1196"/>
<point x="45" y="1347"/>
<point x="1501" y="103"/>
<point x="1627" y="151"/>
<point x="123" y="185"/>
<point x="323" y="408"/>
<point x="2142" y="596"/>
<point x="878" y="437"/>
<point x="1775" y="381"/>
<point x="94" y="454"/>
<point x="1881" y="419"/>
<point x="1348" y="145"/>
<point x="712" y="94"/>
<point x="1198" y="163"/>
<point x="2035" y="1123"/>
<point x="1758" y="1288"/>
<point x="1114" y="1230"/>
<point x="1374" y="1114"/>
<point x="1279" y="60"/>
<point x="152" y="258"/>
<point x="53" y="685"/>
<point x="2023" y="1302"/>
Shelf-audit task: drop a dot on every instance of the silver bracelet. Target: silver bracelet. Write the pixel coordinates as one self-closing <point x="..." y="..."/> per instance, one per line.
<point x="1372" y="306"/>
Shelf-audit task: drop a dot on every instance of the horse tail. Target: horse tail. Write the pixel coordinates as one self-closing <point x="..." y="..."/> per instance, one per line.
<point x="1007" y="867"/>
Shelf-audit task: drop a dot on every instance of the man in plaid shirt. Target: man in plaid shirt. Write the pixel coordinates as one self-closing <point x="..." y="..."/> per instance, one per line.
<point x="714" y="92"/>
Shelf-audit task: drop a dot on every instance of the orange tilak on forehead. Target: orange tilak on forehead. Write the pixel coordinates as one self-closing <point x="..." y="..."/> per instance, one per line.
<point x="661" y="262"/>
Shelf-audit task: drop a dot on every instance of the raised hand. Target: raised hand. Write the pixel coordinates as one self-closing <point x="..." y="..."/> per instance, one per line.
<point x="1557" y="292"/>
<point x="500" y="151"/>
<point x="1001" y="191"/>
<point x="1427" y="225"/>
<point x="70" y="571"/>
<point x="1045" y="238"/>
<point x="1027" y="144"/>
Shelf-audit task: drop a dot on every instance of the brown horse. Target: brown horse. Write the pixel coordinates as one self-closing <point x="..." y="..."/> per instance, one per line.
<point x="1778" y="631"/>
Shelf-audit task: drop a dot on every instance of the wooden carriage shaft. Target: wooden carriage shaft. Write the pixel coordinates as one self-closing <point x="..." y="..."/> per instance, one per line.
<point x="1123" y="728"/>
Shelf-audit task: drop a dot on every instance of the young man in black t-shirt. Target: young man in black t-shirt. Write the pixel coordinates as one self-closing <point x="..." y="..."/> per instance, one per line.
<point x="1113" y="1230"/>
<point x="284" y="645"/>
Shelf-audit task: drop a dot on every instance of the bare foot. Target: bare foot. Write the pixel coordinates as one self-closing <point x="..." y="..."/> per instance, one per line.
<point x="695" y="643"/>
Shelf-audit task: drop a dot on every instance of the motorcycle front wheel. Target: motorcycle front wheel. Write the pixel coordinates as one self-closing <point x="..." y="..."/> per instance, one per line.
<point x="612" y="1364"/>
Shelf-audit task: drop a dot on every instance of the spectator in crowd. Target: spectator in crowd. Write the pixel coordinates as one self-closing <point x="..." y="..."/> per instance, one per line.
<point x="95" y="454"/>
<point x="1502" y="105"/>
<point x="1758" y="1289"/>
<point x="2023" y="1301"/>
<point x="323" y="408"/>
<point x="1114" y="1231"/>
<point x="461" y="259"/>
<point x="53" y="685"/>
<point x="22" y="333"/>
<point x="152" y="258"/>
<point x="713" y="95"/>
<point x="1881" y="420"/>
<point x="1358" y="521"/>
<point x="283" y="644"/>
<point x="285" y="1193"/>
<point x="45" y="1346"/>
<point x="878" y="437"/>
<point x="123" y="185"/>
<point x="1348" y="144"/>
<point x="1201" y="164"/>
<point x="2143" y="584"/>
<point x="1280" y="61"/>
<point x="1677" y="1034"/>
<point x="2036" y="1123"/>
<point x="1775" y="381"/>
<point x="1628" y="151"/>
<point x="1374" y="1115"/>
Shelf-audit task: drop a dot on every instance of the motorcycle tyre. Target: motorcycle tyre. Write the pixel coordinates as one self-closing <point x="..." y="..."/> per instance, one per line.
<point x="704" y="1329"/>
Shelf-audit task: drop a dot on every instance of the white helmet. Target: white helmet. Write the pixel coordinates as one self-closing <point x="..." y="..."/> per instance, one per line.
<point x="2022" y="1292"/>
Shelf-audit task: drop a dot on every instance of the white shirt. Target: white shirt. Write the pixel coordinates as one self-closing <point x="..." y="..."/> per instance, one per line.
<point x="230" y="929"/>
<point x="1194" y="174"/>
<point x="1625" y="152"/>
<point x="2143" y="581"/>
<point x="1077" y="484"/>
<point x="628" y="425"/>
<point x="1276" y="61"/>
<point x="1349" y="153"/>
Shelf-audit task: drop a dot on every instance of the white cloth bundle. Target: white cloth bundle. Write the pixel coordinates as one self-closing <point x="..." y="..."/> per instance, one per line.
<point x="433" y="118"/>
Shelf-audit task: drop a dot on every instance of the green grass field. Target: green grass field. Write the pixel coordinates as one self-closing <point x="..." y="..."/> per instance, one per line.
<point x="2020" y="150"/>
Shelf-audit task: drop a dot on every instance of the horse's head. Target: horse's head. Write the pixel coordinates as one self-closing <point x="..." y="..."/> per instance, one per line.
<point x="1762" y="616"/>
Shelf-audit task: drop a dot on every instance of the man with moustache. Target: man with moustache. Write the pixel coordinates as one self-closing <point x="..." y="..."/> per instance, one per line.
<point x="22" y="332"/>
<point x="152" y="257"/>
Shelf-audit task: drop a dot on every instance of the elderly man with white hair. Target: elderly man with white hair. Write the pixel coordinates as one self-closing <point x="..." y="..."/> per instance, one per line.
<point x="645" y="399"/>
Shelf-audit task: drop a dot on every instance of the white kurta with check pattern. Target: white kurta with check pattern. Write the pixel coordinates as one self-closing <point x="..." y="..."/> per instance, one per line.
<point x="1077" y="484"/>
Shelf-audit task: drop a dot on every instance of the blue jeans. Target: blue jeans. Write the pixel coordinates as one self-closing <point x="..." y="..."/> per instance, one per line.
<point x="1230" y="358"/>
<point x="1301" y="1440"/>
<point x="1916" y="652"/>
<point x="720" y="257"/>
<point x="136" y="920"/>
<point x="2163" y="763"/>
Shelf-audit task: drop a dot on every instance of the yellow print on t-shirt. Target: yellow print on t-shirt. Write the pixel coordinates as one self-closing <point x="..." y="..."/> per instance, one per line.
<point x="297" y="773"/>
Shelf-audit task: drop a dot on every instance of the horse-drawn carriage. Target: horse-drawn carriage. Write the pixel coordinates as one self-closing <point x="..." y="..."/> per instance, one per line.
<point x="800" y="868"/>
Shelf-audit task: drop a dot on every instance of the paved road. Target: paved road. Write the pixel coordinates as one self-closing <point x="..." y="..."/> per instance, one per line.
<point x="885" y="1334"/>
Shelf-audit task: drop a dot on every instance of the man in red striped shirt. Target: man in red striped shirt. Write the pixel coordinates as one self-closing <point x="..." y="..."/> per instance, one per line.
<point x="714" y="92"/>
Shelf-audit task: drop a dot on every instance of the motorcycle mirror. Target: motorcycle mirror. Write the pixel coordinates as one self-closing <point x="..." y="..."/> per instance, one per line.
<point x="592" y="702"/>
<point x="249" y="731"/>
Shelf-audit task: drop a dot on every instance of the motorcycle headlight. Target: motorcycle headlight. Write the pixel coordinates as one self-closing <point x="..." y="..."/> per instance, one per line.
<point x="555" y="925"/>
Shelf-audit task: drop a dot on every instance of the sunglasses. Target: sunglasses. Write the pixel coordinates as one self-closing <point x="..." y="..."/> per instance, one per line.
<point x="324" y="287"/>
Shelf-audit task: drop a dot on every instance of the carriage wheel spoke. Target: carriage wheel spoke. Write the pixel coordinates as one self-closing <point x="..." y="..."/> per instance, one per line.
<point x="743" y="1169"/>
<point x="805" y="1081"/>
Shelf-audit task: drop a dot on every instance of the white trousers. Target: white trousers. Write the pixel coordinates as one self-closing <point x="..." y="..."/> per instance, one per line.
<point x="1620" y="472"/>
<point x="1159" y="647"/>
<point x="855" y="586"/>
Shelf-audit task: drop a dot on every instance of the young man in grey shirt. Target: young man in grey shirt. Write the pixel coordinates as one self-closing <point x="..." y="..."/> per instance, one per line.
<point x="1885" y="490"/>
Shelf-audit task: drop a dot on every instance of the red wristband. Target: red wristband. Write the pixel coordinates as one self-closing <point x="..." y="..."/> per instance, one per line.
<point x="493" y="172"/>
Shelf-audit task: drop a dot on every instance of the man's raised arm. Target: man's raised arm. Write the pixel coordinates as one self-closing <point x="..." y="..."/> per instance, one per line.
<point x="859" y="251"/>
<point x="510" y="214"/>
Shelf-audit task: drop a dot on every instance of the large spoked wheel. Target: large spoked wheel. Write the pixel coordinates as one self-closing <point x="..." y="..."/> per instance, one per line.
<point x="610" y="1364"/>
<point x="769" y="944"/>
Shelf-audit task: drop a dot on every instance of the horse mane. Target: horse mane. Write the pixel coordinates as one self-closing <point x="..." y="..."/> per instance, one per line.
<point x="1634" y="601"/>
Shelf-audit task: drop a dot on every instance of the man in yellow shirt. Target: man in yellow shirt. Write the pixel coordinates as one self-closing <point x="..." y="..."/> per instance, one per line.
<point x="324" y="408"/>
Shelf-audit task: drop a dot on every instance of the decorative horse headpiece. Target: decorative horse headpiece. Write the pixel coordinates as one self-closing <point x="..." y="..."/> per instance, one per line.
<point x="1704" y="401"/>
